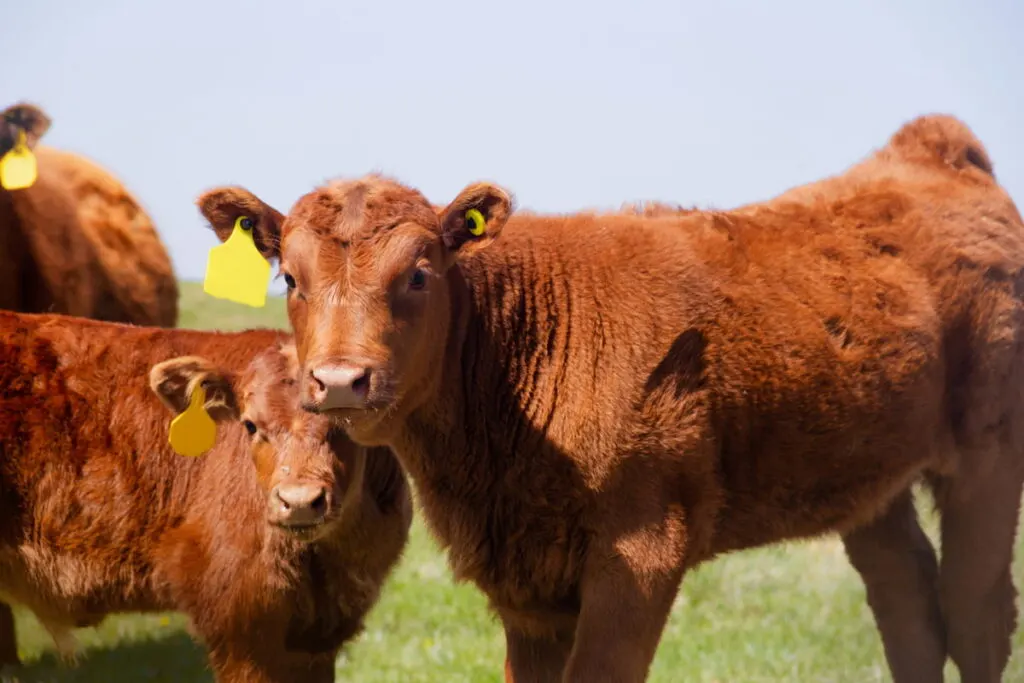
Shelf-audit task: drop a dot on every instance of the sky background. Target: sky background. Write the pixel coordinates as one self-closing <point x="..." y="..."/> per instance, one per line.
<point x="568" y="105"/>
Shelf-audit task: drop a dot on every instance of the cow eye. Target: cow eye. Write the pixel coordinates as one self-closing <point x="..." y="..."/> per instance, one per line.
<point x="289" y="280"/>
<point x="250" y="426"/>
<point x="418" y="280"/>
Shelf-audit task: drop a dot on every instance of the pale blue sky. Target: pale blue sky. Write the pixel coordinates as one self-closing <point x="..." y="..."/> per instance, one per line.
<point x="569" y="105"/>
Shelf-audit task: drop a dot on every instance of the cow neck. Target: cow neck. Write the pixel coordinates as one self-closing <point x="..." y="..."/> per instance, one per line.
<point x="433" y="433"/>
<point x="466" y="438"/>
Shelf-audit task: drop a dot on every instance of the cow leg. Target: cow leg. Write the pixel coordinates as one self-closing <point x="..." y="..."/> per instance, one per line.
<point x="64" y="638"/>
<point x="897" y="563"/>
<point x="320" y="670"/>
<point x="249" y="671"/>
<point x="979" y="523"/>
<point x="630" y="579"/>
<point x="233" y="664"/>
<point x="8" y="637"/>
<point x="531" y="659"/>
<point x="621" y="620"/>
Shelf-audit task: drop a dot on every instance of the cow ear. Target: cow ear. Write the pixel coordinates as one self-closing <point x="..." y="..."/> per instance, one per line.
<point x="222" y="206"/>
<point x="24" y="118"/>
<point x="174" y="381"/>
<point x="475" y="218"/>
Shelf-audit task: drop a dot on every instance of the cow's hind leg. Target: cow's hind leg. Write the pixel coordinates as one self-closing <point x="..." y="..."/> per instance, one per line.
<point x="979" y="524"/>
<point x="897" y="563"/>
<point x="8" y="638"/>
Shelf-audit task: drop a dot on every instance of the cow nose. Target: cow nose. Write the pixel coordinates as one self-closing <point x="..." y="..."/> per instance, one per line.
<point x="298" y="505"/>
<point x="338" y="385"/>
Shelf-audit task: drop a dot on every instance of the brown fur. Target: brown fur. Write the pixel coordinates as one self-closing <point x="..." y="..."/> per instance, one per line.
<point x="77" y="242"/>
<point x="592" y="405"/>
<point x="99" y="515"/>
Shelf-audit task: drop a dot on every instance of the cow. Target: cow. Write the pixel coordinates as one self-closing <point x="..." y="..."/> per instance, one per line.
<point x="76" y="241"/>
<point x="592" y="405"/>
<point x="275" y="543"/>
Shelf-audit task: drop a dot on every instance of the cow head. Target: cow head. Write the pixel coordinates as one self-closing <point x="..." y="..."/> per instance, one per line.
<point x="22" y="118"/>
<point x="303" y="465"/>
<point x="368" y="265"/>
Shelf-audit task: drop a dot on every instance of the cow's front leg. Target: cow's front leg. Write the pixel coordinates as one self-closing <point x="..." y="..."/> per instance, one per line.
<point x="627" y="591"/>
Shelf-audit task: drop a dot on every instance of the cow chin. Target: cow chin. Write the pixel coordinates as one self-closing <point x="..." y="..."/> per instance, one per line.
<point x="367" y="427"/>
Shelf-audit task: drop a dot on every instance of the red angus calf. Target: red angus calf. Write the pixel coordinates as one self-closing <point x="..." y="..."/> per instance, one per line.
<point x="592" y="405"/>
<point x="275" y="543"/>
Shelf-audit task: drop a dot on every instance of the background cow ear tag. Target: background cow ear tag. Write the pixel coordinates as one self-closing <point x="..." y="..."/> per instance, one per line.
<point x="477" y="222"/>
<point x="236" y="270"/>
<point x="18" y="167"/>
<point x="193" y="432"/>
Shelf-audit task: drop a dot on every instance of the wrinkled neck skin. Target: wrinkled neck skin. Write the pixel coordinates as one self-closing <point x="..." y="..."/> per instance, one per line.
<point x="488" y="417"/>
<point x="434" y="427"/>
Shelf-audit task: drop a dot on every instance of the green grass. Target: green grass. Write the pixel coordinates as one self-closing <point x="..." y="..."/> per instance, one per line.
<point x="790" y="613"/>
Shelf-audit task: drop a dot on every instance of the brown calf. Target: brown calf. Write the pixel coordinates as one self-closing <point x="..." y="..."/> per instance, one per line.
<point x="592" y="405"/>
<point x="76" y="241"/>
<point x="275" y="543"/>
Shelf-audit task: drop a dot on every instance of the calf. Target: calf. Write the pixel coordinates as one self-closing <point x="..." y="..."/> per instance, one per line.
<point x="275" y="543"/>
<point x="592" y="405"/>
<point x="76" y="241"/>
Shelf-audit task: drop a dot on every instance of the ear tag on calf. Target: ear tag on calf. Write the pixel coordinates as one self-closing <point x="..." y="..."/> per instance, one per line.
<point x="18" y="167"/>
<point x="193" y="432"/>
<point x="477" y="222"/>
<point x="236" y="270"/>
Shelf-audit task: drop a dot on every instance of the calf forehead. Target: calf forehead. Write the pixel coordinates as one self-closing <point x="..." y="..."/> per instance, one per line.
<point x="270" y="390"/>
<point x="356" y="211"/>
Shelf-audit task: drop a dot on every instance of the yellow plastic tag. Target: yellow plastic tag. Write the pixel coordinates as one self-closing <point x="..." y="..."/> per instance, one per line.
<point x="236" y="270"/>
<point x="193" y="432"/>
<point x="18" y="168"/>
<point x="477" y="223"/>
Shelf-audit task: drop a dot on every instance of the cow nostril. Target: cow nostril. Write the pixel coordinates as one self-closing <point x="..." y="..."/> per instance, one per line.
<point x="318" y="385"/>
<point x="319" y="504"/>
<point x="281" y="501"/>
<point x="361" y="383"/>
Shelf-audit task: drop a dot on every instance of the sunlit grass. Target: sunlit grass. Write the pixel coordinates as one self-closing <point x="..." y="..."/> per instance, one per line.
<point x="790" y="613"/>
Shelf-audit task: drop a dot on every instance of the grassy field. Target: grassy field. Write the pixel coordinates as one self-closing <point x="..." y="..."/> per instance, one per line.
<point x="791" y="613"/>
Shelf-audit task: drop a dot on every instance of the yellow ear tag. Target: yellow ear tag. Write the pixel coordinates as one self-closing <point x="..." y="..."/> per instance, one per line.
<point x="236" y="270"/>
<point x="193" y="432"/>
<point x="477" y="223"/>
<point x="18" y="168"/>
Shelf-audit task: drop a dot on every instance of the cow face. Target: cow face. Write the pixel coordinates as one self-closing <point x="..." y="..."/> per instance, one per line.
<point x="302" y="464"/>
<point x="367" y="267"/>
<point x="22" y="118"/>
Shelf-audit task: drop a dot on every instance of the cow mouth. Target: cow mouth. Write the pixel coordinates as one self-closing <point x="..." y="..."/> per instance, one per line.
<point x="355" y="421"/>
<point x="304" y="532"/>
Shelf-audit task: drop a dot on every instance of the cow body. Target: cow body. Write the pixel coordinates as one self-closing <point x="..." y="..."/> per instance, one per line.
<point x="77" y="242"/>
<point x="592" y="405"/>
<point x="99" y="515"/>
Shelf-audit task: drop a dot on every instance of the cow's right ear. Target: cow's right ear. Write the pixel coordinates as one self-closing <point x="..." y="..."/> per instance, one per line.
<point x="174" y="381"/>
<point x="25" y="118"/>
<point x="222" y="206"/>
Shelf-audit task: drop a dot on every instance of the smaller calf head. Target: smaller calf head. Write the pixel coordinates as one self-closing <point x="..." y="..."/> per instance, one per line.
<point x="18" y="119"/>
<point x="303" y="466"/>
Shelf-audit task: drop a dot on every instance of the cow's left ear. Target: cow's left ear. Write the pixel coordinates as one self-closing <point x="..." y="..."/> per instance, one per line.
<point x="174" y="381"/>
<point x="24" y="118"/>
<point x="475" y="218"/>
